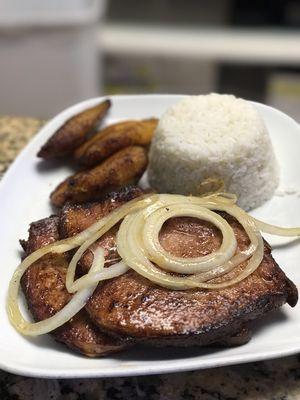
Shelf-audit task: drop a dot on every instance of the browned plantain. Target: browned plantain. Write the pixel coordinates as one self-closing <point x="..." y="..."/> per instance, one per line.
<point x="123" y="168"/>
<point x="73" y="132"/>
<point x="113" y="138"/>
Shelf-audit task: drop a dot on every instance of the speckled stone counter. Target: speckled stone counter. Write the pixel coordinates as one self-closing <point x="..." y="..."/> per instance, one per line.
<point x="269" y="380"/>
<point x="14" y="134"/>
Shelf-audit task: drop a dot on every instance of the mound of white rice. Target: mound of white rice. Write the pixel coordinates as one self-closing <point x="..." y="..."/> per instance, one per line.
<point x="214" y="136"/>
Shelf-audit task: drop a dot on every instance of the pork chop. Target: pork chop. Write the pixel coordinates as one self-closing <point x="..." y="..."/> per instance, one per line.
<point x="132" y="306"/>
<point x="133" y="309"/>
<point x="44" y="287"/>
<point x="76" y="218"/>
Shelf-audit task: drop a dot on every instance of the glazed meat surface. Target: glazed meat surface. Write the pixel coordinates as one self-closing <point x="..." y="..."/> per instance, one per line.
<point x="76" y="218"/>
<point x="132" y="306"/>
<point x="44" y="288"/>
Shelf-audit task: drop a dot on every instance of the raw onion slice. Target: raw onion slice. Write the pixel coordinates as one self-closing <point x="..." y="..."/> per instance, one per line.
<point x="77" y="302"/>
<point x="138" y="245"/>
<point x="169" y="262"/>
<point x="130" y="247"/>
<point x="276" y="230"/>
<point x="94" y="278"/>
<point x="99" y="228"/>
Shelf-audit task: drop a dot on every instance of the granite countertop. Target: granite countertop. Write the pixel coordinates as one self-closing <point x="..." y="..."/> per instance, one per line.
<point x="270" y="380"/>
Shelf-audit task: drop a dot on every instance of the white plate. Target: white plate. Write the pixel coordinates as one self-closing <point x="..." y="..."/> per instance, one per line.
<point x="24" y="193"/>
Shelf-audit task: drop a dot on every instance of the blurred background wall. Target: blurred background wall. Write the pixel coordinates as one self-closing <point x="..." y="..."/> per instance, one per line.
<point x="54" y="53"/>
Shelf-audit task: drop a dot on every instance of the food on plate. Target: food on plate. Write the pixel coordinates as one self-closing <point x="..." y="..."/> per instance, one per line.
<point x="130" y="305"/>
<point x="217" y="137"/>
<point x="74" y="132"/>
<point x="74" y="218"/>
<point x="44" y="287"/>
<point x="122" y="168"/>
<point x="194" y="271"/>
<point x="114" y="138"/>
<point x="178" y="266"/>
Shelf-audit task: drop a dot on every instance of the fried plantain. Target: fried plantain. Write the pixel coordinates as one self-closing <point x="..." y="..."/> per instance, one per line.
<point x="73" y="132"/>
<point x="123" y="168"/>
<point x="114" y="138"/>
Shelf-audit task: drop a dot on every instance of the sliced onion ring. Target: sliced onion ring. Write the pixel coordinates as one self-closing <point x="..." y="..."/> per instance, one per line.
<point x="101" y="227"/>
<point x="138" y="245"/>
<point x="80" y="298"/>
<point x="276" y="230"/>
<point x="169" y="262"/>
<point x="131" y="249"/>
<point x="77" y="302"/>
<point x="94" y="278"/>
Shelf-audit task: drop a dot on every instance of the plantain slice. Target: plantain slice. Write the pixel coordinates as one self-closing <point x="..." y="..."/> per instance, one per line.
<point x="123" y="168"/>
<point x="73" y="132"/>
<point x="113" y="138"/>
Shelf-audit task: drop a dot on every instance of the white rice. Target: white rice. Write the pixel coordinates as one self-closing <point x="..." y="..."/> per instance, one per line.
<point x="214" y="136"/>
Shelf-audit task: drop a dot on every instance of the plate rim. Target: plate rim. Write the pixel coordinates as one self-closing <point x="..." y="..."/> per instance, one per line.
<point x="35" y="372"/>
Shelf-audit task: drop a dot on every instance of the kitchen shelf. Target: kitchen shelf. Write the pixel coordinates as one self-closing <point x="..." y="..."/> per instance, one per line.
<point x="234" y="45"/>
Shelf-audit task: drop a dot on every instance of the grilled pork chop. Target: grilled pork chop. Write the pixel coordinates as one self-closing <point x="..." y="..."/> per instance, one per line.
<point x="44" y="287"/>
<point x="131" y="305"/>
<point x="76" y="218"/>
<point x="134" y="307"/>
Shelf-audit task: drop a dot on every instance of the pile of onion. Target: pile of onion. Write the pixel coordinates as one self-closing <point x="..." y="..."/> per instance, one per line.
<point x="139" y="247"/>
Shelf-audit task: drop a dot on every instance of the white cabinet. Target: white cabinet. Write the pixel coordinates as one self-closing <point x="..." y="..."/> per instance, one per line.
<point x="49" y="54"/>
